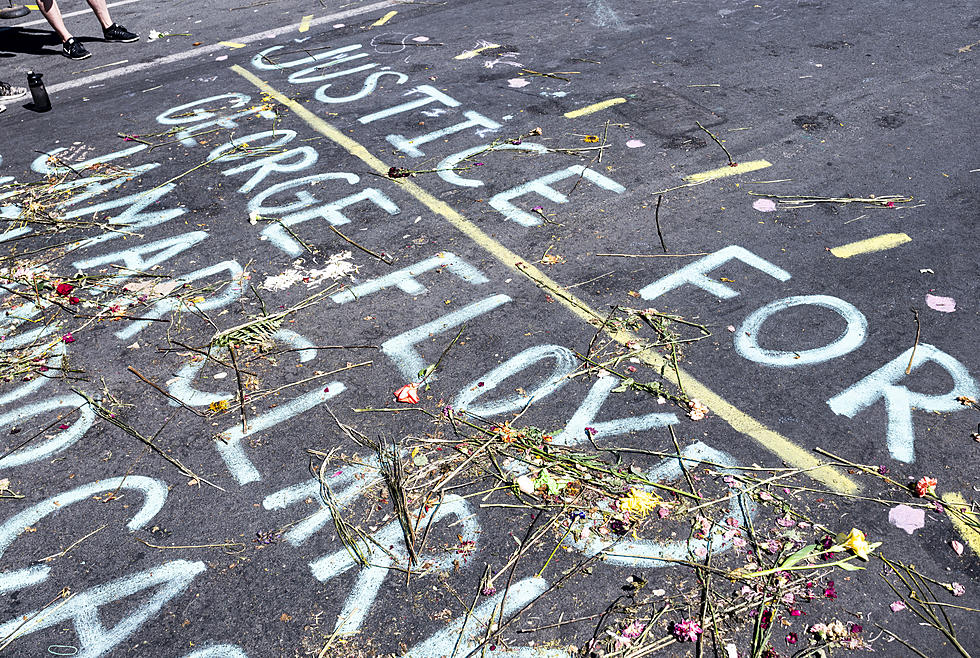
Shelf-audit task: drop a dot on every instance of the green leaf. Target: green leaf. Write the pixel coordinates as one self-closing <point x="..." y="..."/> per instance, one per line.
<point x="848" y="566"/>
<point x="426" y="371"/>
<point x="625" y="385"/>
<point x="546" y="480"/>
<point x="799" y="555"/>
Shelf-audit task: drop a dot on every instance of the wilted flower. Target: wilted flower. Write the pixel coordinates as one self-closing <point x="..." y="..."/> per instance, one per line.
<point x="957" y="589"/>
<point x="634" y="630"/>
<point x="897" y="606"/>
<point x="687" y="630"/>
<point x="925" y="486"/>
<point x="409" y="393"/>
<point x="68" y="338"/>
<point x="697" y="410"/>
<point x="639" y="503"/>
<point x="398" y="172"/>
<point x="64" y="289"/>
<point x="590" y="139"/>
<point x="857" y="542"/>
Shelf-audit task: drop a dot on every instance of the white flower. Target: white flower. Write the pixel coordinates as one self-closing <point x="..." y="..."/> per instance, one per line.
<point x="154" y="35"/>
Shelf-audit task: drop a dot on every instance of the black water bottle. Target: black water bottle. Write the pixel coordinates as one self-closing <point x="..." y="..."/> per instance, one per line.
<point x="40" y="95"/>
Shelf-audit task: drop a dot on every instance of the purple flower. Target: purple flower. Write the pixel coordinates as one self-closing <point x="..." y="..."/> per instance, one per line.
<point x="830" y="591"/>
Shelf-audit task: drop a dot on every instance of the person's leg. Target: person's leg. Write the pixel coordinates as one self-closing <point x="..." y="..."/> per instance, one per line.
<point x="49" y="9"/>
<point x="101" y="12"/>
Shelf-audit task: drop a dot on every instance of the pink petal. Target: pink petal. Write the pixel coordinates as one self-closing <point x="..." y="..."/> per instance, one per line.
<point x="943" y="304"/>
<point x="958" y="547"/>
<point x="897" y="606"/>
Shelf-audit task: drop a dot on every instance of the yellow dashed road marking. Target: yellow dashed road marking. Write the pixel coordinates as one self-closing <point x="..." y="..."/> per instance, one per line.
<point x="877" y="243"/>
<point x="592" y="109"/>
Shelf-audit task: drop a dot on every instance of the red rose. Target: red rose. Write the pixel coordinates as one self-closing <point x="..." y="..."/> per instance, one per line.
<point x="64" y="289"/>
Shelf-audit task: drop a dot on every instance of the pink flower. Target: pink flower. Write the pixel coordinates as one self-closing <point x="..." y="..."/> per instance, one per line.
<point x="68" y="338"/>
<point x="687" y="630"/>
<point x="409" y="393"/>
<point x="792" y="638"/>
<point x="957" y="589"/>
<point x="897" y="606"/>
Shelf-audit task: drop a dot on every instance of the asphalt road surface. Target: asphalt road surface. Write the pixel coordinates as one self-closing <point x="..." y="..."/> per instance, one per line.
<point x="369" y="329"/>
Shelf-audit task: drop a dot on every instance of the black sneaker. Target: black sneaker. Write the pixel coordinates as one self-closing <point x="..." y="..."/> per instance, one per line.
<point x="9" y="93"/>
<point x="72" y="49"/>
<point x="118" y="34"/>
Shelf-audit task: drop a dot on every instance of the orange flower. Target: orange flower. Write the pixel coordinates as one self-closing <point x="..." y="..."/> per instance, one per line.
<point x="409" y="393"/>
<point x="925" y="486"/>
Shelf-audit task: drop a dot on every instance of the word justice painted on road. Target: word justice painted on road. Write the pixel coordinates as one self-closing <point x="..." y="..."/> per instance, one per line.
<point x="271" y="170"/>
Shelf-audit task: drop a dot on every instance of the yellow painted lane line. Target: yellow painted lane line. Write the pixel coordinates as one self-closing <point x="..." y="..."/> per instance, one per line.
<point x="592" y="109"/>
<point x="384" y="19"/>
<point x="877" y="243"/>
<point x="728" y="170"/>
<point x="304" y="25"/>
<point x="968" y="532"/>
<point x="779" y="445"/>
<point x="231" y="44"/>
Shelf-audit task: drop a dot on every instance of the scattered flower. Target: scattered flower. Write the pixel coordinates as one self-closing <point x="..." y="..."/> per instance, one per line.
<point x="830" y="591"/>
<point x="634" y="630"/>
<point x="68" y="338"/>
<point x="926" y="485"/>
<point x="858" y="544"/>
<point x="73" y="300"/>
<point x="687" y="630"/>
<point x="956" y="589"/>
<point x="154" y="35"/>
<point x="219" y="406"/>
<point x="590" y="139"/>
<point x="639" y="503"/>
<point x="64" y="289"/>
<point x="897" y="606"/>
<point x="663" y="511"/>
<point x="832" y="631"/>
<point x="856" y="628"/>
<point x="409" y="393"/>
<point x="551" y="259"/>
<point x="792" y="638"/>
<point x="698" y="411"/>
<point x="398" y="172"/>
<point x="957" y="546"/>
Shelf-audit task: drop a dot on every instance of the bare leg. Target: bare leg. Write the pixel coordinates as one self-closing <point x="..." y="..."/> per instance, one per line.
<point x="49" y="9"/>
<point x="101" y="12"/>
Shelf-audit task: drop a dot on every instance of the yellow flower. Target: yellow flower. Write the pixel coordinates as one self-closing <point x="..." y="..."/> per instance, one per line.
<point x="219" y="406"/>
<point x="639" y="503"/>
<point x="590" y="139"/>
<point x="858" y="544"/>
